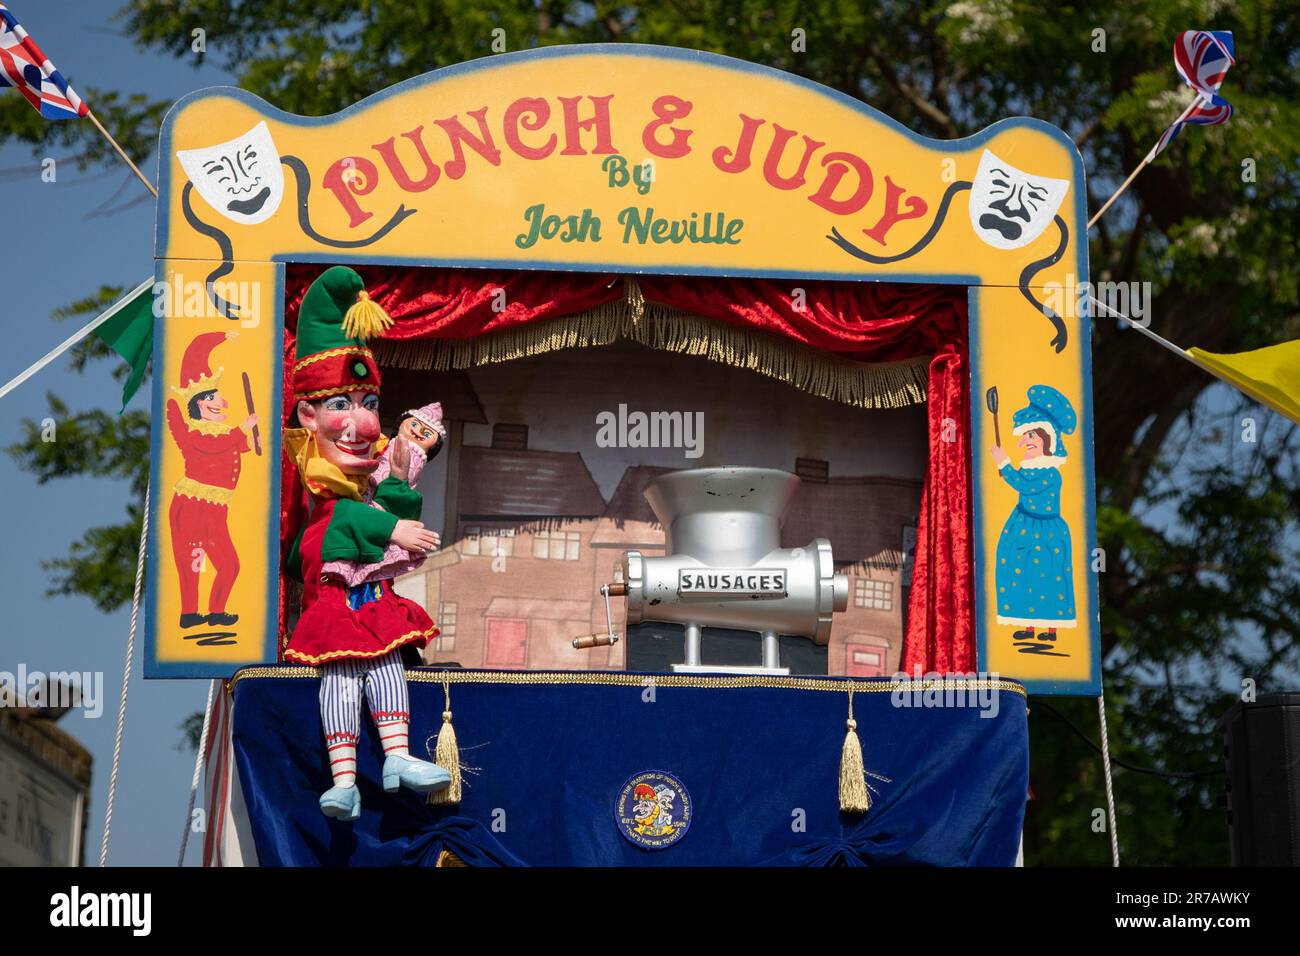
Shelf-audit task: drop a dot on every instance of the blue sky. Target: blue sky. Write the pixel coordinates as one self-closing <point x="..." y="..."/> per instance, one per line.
<point x="57" y="256"/>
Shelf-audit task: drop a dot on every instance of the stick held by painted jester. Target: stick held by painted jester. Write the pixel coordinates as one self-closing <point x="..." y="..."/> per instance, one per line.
<point x="354" y="636"/>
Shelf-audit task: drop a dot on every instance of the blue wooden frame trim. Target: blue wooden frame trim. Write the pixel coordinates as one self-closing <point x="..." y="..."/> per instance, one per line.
<point x="159" y="563"/>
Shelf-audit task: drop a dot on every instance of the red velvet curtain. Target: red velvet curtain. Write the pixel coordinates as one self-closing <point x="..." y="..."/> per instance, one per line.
<point x="455" y="303"/>
<point x="877" y="322"/>
<point x="433" y="303"/>
<point x="464" y="303"/>
<point x="869" y="322"/>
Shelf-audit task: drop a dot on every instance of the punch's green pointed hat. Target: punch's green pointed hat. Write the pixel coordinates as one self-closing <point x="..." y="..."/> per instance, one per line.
<point x="334" y="321"/>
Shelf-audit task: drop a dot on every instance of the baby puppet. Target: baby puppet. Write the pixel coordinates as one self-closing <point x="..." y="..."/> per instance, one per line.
<point x="422" y="433"/>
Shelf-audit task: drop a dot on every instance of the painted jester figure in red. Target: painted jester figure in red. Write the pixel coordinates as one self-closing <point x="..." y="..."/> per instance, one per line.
<point x="354" y="634"/>
<point x="211" y="447"/>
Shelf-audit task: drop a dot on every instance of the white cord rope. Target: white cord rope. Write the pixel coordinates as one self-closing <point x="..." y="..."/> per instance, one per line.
<point x="126" y="680"/>
<point x="1110" y="790"/>
<point x="198" y="772"/>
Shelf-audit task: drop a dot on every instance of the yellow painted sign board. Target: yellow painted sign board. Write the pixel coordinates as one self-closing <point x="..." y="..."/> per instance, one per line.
<point x="633" y="159"/>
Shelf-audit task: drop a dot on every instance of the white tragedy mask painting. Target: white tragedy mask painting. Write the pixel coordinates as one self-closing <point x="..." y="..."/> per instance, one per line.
<point x="241" y="178"/>
<point x="1010" y="208"/>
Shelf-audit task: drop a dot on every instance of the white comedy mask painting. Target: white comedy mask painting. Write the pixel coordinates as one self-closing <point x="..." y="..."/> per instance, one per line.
<point x="241" y="178"/>
<point x="1009" y="207"/>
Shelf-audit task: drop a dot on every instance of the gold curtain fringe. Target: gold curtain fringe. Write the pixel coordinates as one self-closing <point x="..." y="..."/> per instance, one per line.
<point x="860" y="384"/>
<point x="838" y="685"/>
<point x="602" y="325"/>
<point x="633" y="298"/>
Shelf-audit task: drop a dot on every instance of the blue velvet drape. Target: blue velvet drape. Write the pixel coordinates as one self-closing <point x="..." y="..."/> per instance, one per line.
<point x="544" y="763"/>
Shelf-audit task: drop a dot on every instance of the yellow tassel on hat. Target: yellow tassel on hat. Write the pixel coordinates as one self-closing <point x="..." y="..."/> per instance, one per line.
<point x="446" y="754"/>
<point x="366" y="319"/>
<point x="854" y="795"/>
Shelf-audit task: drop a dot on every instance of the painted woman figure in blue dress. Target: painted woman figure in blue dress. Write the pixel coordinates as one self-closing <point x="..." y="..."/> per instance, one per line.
<point x="1035" y="573"/>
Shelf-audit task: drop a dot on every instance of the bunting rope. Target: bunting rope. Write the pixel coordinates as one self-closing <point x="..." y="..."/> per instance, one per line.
<point x="126" y="680"/>
<point x="1110" y="790"/>
<point x="198" y="770"/>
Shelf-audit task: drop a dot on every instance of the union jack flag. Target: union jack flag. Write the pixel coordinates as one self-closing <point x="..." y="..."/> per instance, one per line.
<point x="25" y="67"/>
<point x="1202" y="58"/>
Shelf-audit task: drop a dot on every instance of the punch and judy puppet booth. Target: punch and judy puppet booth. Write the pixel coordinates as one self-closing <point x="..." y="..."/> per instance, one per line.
<point x="758" y="462"/>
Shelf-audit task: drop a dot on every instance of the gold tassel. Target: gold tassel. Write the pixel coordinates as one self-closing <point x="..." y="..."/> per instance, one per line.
<point x="446" y="755"/>
<point x="366" y="319"/>
<point x="854" y="795"/>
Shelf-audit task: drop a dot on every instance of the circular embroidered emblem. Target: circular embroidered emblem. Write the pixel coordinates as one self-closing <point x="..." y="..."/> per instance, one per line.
<point x="654" y="810"/>
<point x="359" y="370"/>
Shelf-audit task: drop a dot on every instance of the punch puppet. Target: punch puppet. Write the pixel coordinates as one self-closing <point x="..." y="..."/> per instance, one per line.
<point x="354" y="634"/>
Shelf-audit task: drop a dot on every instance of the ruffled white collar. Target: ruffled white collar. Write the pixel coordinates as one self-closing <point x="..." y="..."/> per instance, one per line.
<point x="1043" y="461"/>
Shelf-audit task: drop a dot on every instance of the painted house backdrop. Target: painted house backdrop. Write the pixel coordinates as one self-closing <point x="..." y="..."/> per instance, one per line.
<point x="535" y="515"/>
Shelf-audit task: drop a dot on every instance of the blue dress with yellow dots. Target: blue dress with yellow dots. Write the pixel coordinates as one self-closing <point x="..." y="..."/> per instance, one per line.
<point x="1035" y="576"/>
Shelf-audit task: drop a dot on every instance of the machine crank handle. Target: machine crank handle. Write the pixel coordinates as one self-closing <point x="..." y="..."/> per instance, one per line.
<point x="588" y="641"/>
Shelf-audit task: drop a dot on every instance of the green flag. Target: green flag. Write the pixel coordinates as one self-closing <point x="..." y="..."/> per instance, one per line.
<point x="127" y="328"/>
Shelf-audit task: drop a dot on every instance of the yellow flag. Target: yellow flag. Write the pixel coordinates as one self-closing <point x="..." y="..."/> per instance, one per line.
<point x="1270" y="375"/>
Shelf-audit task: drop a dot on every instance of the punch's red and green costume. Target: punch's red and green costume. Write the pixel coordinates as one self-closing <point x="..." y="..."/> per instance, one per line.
<point x="341" y="525"/>
<point x="344" y="528"/>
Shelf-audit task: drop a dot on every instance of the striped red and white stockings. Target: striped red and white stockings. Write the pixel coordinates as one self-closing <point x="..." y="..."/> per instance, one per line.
<point x="383" y="682"/>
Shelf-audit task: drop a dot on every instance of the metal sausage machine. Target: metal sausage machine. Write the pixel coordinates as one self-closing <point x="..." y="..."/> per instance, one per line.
<point x="724" y="566"/>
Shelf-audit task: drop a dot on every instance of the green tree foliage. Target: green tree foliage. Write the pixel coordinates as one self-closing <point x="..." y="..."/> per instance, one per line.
<point x="191" y="729"/>
<point x="98" y="443"/>
<point x="1200" y="589"/>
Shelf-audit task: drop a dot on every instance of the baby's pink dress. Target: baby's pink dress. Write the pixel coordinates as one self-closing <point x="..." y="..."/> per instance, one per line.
<point x="396" y="560"/>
